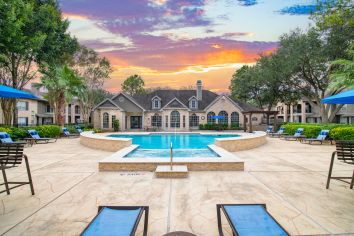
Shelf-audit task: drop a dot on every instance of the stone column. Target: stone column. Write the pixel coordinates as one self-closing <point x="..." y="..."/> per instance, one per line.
<point x="291" y="113"/>
<point x="285" y="108"/>
<point x="303" y="112"/>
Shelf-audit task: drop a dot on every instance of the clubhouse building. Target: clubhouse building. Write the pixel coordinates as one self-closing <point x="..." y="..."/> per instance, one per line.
<point x="171" y="110"/>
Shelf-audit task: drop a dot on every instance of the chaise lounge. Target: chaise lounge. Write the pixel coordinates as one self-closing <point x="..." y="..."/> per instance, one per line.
<point x="277" y="134"/>
<point x="6" y="138"/>
<point x="320" y="138"/>
<point x="297" y="136"/>
<point x="249" y="219"/>
<point x="78" y="129"/>
<point x="37" y="139"/>
<point x="68" y="134"/>
<point x="117" y="220"/>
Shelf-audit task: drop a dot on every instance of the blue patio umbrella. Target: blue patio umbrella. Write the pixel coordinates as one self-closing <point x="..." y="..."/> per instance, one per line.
<point x="346" y="97"/>
<point x="218" y="117"/>
<point x="8" y="92"/>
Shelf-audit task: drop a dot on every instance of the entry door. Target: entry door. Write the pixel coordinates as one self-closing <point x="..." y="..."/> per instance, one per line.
<point x="135" y="122"/>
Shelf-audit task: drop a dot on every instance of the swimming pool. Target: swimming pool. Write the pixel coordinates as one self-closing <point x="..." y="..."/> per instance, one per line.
<point x="184" y="145"/>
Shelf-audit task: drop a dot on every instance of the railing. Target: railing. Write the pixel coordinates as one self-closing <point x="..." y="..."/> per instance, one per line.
<point x="171" y="157"/>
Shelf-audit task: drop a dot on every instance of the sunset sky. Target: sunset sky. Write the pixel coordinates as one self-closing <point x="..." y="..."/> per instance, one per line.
<point x="175" y="42"/>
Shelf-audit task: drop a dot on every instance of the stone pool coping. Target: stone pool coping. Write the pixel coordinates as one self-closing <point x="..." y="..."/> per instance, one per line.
<point x="122" y="146"/>
<point x="118" y="162"/>
<point x="244" y="142"/>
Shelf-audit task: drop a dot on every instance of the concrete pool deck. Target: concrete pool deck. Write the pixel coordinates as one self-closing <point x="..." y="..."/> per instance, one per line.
<point x="288" y="176"/>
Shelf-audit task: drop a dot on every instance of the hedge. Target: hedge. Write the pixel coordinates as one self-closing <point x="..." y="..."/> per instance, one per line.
<point x="337" y="131"/>
<point x="48" y="131"/>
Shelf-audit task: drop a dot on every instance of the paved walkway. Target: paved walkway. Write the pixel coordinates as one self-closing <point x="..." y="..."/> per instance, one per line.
<point x="288" y="176"/>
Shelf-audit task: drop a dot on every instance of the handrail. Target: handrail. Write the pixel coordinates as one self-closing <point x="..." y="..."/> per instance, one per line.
<point x="171" y="156"/>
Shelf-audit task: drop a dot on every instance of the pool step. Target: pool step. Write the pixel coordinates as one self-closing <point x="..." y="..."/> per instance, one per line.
<point x="178" y="171"/>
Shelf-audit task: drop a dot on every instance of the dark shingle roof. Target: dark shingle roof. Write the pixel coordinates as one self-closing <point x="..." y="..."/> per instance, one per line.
<point x="245" y="106"/>
<point x="182" y="95"/>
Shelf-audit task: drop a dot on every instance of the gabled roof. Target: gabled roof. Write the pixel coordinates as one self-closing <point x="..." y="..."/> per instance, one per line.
<point x="175" y="103"/>
<point x="107" y="103"/>
<point x="129" y="98"/>
<point x="167" y="95"/>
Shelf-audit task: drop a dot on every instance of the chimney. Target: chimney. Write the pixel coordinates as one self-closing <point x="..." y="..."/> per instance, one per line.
<point x="199" y="90"/>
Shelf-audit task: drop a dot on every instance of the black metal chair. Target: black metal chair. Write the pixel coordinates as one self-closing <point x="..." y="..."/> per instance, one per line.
<point x="345" y="153"/>
<point x="11" y="155"/>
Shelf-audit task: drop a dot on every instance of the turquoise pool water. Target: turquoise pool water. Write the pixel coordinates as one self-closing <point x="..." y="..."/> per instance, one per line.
<point x="184" y="145"/>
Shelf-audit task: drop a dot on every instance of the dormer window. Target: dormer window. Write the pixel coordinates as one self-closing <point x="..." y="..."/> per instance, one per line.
<point x="156" y="103"/>
<point x="193" y="103"/>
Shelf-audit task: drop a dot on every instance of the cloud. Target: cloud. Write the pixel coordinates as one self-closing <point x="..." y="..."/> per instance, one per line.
<point x="139" y="15"/>
<point x="305" y="9"/>
<point x="299" y="10"/>
<point x="247" y="3"/>
<point x="166" y="55"/>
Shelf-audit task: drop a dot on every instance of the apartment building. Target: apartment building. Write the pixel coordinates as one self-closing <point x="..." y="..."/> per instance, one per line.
<point x="304" y="112"/>
<point x="39" y="112"/>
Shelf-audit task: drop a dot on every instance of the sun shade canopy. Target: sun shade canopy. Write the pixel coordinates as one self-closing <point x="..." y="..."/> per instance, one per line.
<point x="340" y="98"/>
<point x="8" y="92"/>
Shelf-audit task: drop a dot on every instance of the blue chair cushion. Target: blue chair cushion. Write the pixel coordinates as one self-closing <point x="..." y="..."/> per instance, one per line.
<point x="5" y="137"/>
<point x="250" y="220"/>
<point x="34" y="134"/>
<point x="323" y="135"/>
<point x="113" y="222"/>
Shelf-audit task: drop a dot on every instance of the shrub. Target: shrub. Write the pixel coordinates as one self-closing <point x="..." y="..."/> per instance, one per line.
<point x="342" y="133"/>
<point x="48" y="131"/>
<point x="312" y="130"/>
<point x="116" y="125"/>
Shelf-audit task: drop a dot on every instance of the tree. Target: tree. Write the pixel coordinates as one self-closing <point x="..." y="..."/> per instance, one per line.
<point x="134" y="84"/>
<point x="334" y="19"/>
<point x="31" y="32"/>
<point x="263" y="84"/>
<point x="95" y="71"/>
<point x="62" y="84"/>
<point x="343" y="76"/>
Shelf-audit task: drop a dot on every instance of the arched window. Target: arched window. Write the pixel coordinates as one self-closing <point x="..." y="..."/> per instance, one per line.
<point x="193" y="104"/>
<point x="105" y="120"/>
<point x="77" y="109"/>
<point x="225" y="118"/>
<point x="210" y="118"/>
<point x="156" y="120"/>
<point x="235" y="119"/>
<point x="175" y="119"/>
<point x="156" y="103"/>
<point x="193" y="120"/>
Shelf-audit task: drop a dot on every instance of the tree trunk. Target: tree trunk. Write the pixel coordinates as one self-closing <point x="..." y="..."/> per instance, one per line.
<point x="324" y="114"/>
<point x="60" y="113"/>
<point x="7" y="108"/>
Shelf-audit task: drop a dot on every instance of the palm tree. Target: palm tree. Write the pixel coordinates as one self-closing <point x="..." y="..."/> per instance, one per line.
<point x="62" y="84"/>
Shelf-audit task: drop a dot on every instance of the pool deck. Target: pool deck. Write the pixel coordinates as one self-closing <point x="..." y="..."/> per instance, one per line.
<point x="288" y="176"/>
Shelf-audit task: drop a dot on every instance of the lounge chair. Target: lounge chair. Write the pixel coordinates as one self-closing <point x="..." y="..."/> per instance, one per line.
<point x="278" y="134"/>
<point x="320" y="138"/>
<point x="11" y="155"/>
<point x="78" y="129"/>
<point x="37" y="139"/>
<point x="68" y="134"/>
<point x="6" y="138"/>
<point x="345" y="153"/>
<point x="117" y="220"/>
<point x="269" y="129"/>
<point x="297" y="136"/>
<point x="249" y="219"/>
